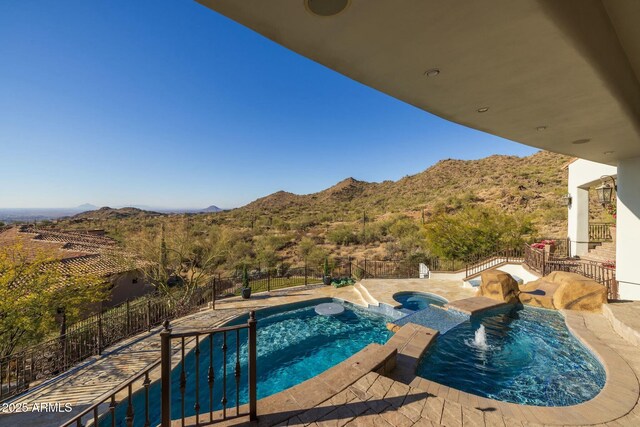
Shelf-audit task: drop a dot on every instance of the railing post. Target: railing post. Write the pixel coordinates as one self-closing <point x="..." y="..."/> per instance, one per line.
<point x="128" y="319"/>
<point x="165" y="374"/>
<point x="148" y="315"/>
<point x="268" y="280"/>
<point x="213" y="294"/>
<point x="349" y="261"/>
<point x="100" y="334"/>
<point x="305" y="274"/>
<point x="364" y="276"/>
<point x="253" y="352"/>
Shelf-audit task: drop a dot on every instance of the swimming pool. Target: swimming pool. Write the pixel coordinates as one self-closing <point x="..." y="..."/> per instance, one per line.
<point x="415" y="301"/>
<point x="525" y="356"/>
<point x="294" y="344"/>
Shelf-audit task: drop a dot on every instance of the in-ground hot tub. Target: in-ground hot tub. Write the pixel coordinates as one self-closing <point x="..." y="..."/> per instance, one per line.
<point x="415" y="301"/>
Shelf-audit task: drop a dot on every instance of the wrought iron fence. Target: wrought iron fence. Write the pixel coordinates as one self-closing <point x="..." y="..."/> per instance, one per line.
<point x="534" y="259"/>
<point x="590" y="269"/>
<point x="494" y="260"/>
<point x="391" y="269"/>
<point x="93" y="334"/>
<point x="266" y="280"/>
<point x="90" y="337"/>
<point x="544" y="264"/>
<point x="600" y="232"/>
<point x="198" y="401"/>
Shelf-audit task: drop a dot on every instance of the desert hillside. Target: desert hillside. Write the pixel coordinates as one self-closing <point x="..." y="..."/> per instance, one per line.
<point x="365" y="219"/>
<point x="532" y="185"/>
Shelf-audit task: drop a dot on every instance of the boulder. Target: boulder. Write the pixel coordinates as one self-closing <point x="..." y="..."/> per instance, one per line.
<point x="576" y="292"/>
<point x="498" y="285"/>
<point x="538" y="293"/>
<point x="561" y="290"/>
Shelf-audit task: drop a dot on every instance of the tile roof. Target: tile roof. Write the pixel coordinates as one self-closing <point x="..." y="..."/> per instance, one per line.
<point x="79" y="253"/>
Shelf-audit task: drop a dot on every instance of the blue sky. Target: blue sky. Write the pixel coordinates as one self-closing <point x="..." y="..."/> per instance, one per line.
<point x="168" y="104"/>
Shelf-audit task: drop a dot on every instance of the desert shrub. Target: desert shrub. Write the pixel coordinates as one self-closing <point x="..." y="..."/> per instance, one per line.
<point x="555" y="214"/>
<point x="343" y="235"/>
<point x="341" y="282"/>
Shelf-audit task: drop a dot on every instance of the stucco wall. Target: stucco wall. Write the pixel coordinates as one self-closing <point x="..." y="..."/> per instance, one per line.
<point x="628" y="229"/>
<point x="124" y="287"/>
<point x="582" y="175"/>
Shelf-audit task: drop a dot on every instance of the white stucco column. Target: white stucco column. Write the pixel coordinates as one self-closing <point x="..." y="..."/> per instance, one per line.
<point x="578" y="220"/>
<point x="582" y="175"/>
<point x="628" y="229"/>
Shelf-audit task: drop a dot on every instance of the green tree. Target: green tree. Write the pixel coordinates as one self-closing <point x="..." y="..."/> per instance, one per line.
<point x="33" y="288"/>
<point x="180" y="258"/>
<point x="475" y="231"/>
<point x="310" y="253"/>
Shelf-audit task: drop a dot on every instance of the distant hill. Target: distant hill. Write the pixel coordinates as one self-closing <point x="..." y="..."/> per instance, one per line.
<point x="111" y="213"/>
<point x="87" y="207"/>
<point x="212" y="208"/>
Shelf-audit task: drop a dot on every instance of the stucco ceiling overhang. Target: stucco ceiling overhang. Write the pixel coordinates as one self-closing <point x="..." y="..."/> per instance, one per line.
<point x="553" y="73"/>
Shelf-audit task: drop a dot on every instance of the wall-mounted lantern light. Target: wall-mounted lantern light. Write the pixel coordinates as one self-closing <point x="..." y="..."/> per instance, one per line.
<point x="605" y="190"/>
<point x="566" y="200"/>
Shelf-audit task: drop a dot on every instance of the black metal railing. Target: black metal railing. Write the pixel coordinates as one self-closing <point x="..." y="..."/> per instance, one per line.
<point x="534" y="259"/>
<point x="600" y="232"/>
<point x="545" y="263"/>
<point x="391" y="269"/>
<point x="494" y="260"/>
<point x="405" y="269"/>
<point x="267" y="280"/>
<point x="90" y="337"/>
<point x="591" y="269"/>
<point x="120" y="406"/>
<point x="106" y="406"/>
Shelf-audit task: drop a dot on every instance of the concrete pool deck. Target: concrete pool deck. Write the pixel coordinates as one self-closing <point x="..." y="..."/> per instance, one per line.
<point x="388" y="397"/>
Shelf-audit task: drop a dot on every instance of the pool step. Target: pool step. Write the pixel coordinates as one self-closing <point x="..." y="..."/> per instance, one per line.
<point x="474" y="305"/>
<point x="623" y="317"/>
<point x="433" y="317"/>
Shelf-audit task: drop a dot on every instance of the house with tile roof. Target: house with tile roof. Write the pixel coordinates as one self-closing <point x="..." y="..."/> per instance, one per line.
<point x="83" y="253"/>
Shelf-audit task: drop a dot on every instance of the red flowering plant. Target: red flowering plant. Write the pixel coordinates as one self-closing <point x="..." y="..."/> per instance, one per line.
<point x="541" y="244"/>
<point x="609" y="264"/>
<point x="613" y="210"/>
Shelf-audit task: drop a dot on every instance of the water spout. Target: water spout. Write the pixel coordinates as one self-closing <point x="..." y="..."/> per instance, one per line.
<point x="480" y="340"/>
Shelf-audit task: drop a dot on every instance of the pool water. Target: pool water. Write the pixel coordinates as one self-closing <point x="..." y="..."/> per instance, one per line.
<point x="527" y="356"/>
<point x="415" y="301"/>
<point x="294" y="345"/>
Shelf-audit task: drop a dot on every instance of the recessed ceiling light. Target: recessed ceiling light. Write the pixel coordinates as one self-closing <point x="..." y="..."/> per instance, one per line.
<point x="483" y="109"/>
<point x="326" y="7"/>
<point x="609" y="152"/>
<point x="541" y="128"/>
<point x="432" y="72"/>
<point x="580" y="141"/>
